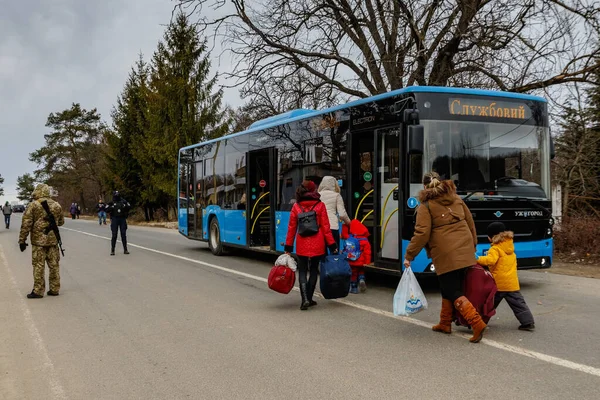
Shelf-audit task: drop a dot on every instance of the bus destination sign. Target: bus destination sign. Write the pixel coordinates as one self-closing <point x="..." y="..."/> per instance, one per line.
<point x="488" y="108"/>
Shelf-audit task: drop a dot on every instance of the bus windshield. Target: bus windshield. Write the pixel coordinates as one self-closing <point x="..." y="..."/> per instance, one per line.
<point x="489" y="159"/>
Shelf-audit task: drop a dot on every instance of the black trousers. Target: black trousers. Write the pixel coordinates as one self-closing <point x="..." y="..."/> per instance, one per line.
<point x="452" y="284"/>
<point x="116" y="224"/>
<point x="517" y="304"/>
<point x="306" y="264"/>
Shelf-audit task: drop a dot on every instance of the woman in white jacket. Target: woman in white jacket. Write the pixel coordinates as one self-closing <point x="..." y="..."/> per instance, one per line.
<point x="331" y="197"/>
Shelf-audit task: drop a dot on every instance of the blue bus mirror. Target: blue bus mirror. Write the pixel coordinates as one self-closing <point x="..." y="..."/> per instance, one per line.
<point x="416" y="139"/>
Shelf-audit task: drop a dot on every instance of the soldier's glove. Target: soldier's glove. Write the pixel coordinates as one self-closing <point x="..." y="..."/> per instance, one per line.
<point x="22" y="246"/>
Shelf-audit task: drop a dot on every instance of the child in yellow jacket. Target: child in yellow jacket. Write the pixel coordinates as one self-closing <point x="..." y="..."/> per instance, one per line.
<point x="502" y="262"/>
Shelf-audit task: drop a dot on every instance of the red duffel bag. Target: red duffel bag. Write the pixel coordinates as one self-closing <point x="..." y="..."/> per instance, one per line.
<point x="282" y="279"/>
<point x="480" y="288"/>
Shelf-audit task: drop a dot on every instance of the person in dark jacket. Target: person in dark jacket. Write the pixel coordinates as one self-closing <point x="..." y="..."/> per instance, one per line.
<point x="310" y="249"/>
<point x="7" y="211"/>
<point x="118" y="209"/>
<point x="73" y="210"/>
<point x="445" y="228"/>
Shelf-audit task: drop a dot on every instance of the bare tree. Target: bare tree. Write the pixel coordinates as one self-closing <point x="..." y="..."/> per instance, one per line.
<point x="577" y="166"/>
<point x="364" y="47"/>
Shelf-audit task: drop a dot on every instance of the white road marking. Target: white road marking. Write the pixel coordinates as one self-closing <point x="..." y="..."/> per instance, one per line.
<point x="57" y="391"/>
<point x="492" y="343"/>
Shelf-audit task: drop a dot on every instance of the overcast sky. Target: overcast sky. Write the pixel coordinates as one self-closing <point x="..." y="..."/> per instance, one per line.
<point x="56" y="52"/>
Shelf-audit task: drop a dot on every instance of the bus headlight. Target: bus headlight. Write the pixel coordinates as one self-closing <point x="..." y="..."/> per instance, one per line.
<point x="549" y="232"/>
<point x="551" y="221"/>
<point x="431" y="267"/>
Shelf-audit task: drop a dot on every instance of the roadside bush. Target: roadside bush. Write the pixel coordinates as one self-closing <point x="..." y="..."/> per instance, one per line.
<point x="577" y="239"/>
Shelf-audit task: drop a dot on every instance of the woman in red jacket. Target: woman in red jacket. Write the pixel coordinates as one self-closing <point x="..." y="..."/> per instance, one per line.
<point x="310" y="249"/>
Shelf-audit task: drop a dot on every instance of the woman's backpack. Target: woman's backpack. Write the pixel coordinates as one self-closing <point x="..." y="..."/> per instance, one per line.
<point x="307" y="221"/>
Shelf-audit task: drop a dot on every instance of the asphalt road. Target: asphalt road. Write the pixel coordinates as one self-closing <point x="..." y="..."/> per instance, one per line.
<point x="171" y="321"/>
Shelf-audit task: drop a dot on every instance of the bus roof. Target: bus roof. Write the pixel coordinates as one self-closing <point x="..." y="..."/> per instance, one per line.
<point x="296" y="115"/>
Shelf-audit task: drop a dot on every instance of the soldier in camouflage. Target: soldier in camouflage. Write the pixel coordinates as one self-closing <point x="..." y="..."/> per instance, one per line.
<point x="44" y="247"/>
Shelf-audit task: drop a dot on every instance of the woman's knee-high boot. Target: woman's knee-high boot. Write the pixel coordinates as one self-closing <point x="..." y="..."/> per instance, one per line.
<point x="304" y="294"/>
<point x="466" y="309"/>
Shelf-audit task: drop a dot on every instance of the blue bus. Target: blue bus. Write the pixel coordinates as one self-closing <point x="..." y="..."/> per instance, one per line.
<point x="238" y="190"/>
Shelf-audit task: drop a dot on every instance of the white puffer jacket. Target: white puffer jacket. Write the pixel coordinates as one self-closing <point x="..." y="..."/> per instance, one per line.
<point x="333" y="202"/>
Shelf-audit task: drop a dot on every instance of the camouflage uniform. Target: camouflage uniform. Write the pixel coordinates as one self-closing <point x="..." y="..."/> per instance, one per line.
<point x="44" y="246"/>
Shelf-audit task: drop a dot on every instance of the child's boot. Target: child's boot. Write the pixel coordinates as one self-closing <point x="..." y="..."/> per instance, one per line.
<point x="466" y="309"/>
<point x="362" y="285"/>
<point x="445" y="324"/>
<point x="353" y="288"/>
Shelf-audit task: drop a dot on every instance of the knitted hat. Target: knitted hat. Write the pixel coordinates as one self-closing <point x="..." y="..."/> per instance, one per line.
<point x="310" y="186"/>
<point x="495" y="228"/>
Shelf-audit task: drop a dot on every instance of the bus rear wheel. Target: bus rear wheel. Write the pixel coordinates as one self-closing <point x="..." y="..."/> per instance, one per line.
<point x="214" y="238"/>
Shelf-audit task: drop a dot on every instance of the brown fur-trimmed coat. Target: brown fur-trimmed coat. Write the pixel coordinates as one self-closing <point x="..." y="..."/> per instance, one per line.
<point x="445" y="228"/>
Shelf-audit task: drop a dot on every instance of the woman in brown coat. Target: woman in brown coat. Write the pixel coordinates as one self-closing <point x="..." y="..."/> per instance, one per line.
<point x="445" y="228"/>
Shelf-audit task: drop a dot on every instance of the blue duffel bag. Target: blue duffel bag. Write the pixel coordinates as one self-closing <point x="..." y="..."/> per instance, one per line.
<point x="335" y="277"/>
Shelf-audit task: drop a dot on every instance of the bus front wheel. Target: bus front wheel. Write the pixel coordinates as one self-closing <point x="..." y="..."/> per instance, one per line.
<point x="214" y="239"/>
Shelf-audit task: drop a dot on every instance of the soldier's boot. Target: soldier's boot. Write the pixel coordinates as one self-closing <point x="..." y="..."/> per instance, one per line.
<point x="51" y="293"/>
<point x="34" y="295"/>
<point x="125" y="251"/>
<point x="112" y="251"/>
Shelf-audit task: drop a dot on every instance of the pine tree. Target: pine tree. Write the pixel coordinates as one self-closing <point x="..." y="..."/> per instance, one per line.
<point x="25" y="186"/>
<point x="184" y="106"/>
<point x="72" y="159"/>
<point x="126" y="142"/>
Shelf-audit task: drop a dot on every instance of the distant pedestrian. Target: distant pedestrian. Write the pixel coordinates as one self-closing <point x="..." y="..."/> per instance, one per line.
<point x="329" y="189"/>
<point x="78" y="210"/>
<point x="118" y="209"/>
<point x="445" y="228"/>
<point x="311" y="235"/>
<point x="73" y="210"/>
<point x="7" y="211"/>
<point x="101" y="209"/>
<point x="44" y="244"/>
<point x="502" y="261"/>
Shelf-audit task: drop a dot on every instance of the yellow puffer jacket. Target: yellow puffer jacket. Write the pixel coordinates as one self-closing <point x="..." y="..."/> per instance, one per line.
<point x="502" y="261"/>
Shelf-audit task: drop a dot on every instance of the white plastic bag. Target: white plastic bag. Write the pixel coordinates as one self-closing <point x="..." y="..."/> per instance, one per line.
<point x="409" y="298"/>
<point x="286" y="260"/>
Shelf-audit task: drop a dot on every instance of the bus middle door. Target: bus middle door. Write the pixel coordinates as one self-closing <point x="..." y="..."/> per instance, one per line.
<point x="388" y="186"/>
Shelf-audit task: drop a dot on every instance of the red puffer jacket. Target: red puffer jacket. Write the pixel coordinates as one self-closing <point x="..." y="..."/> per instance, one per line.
<point x="309" y="246"/>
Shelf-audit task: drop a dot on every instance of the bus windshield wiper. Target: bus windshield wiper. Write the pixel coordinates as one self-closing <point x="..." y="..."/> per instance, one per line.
<point x="469" y="194"/>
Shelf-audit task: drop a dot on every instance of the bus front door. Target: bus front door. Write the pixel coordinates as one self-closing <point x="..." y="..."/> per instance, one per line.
<point x="388" y="185"/>
<point x="260" y="194"/>
<point x="191" y="201"/>
<point x="362" y="189"/>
